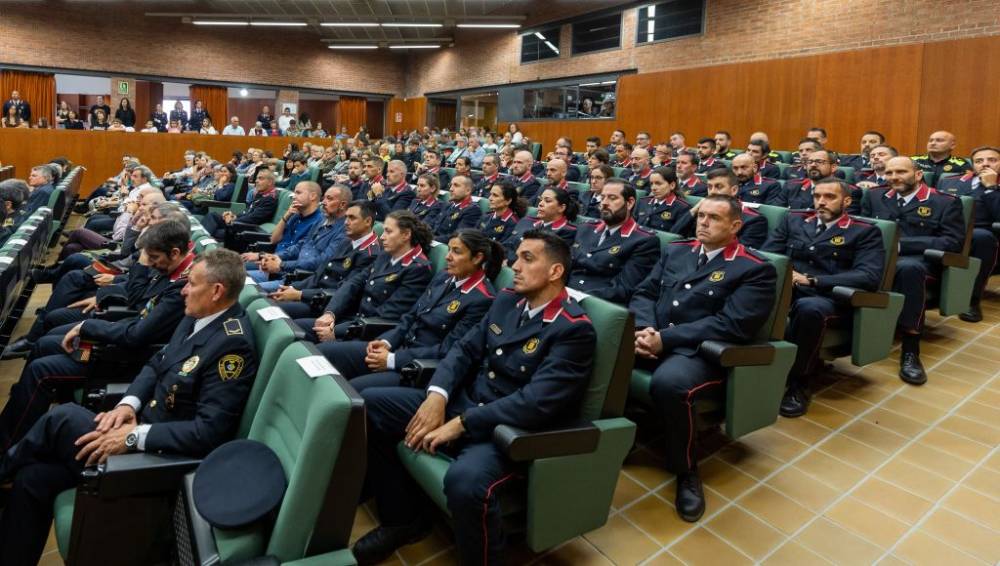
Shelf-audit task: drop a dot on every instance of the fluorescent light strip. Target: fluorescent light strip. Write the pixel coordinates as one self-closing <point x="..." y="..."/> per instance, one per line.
<point x="280" y="24"/>
<point x="405" y="25"/>
<point x="414" y="46"/>
<point x="490" y="26"/>
<point x="349" y="24"/>
<point x="353" y="46"/>
<point x="219" y="23"/>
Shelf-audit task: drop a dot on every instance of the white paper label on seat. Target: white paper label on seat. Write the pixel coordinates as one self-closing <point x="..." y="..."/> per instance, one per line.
<point x="315" y="366"/>
<point x="17" y="242"/>
<point x="272" y="313"/>
<point x="577" y="295"/>
<point x="207" y="241"/>
<point x="250" y="281"/>
<point x="6" y="260"/>
<point x="28" y="229"/>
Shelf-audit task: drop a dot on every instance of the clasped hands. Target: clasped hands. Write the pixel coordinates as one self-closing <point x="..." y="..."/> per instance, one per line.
<point x="108" y="437"/>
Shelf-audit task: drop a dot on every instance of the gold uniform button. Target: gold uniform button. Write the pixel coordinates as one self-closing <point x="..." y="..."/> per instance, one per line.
<point x="152" y="404"/>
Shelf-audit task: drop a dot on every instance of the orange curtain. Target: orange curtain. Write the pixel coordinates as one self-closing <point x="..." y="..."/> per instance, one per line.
<point x="37" y="89"/>
<point x="352" y="112"/>
<point x="216" y="102"/>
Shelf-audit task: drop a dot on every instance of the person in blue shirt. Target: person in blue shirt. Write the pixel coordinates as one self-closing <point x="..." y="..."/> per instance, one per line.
<point x="476" y="153"/>
<point x="292" y="229"/>
<point x="300" y="171"/>
<point x="317" y="247"/>
<point x="40" y="180"/>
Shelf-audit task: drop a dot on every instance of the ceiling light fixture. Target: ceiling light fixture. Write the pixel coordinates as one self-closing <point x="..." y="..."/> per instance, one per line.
<point x="219" y="23"/>
<point x="414" y="46"/>
<point x="279" y="24"/>
<point x="349" y="24"/>
<point x="490" y="26"/>
<point x="409" y="25"/>
<point x="244" y="92"/>
<point x="353" y="46"/>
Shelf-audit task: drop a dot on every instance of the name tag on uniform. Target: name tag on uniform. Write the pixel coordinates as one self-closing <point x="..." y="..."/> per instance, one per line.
<point x="495" y="329"/>
<point x="392" y="277"/>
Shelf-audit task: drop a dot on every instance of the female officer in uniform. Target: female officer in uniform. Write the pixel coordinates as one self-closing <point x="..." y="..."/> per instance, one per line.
<point x="556" y="210"/>
<point x="664" y="209"/>
<point x="426" y="205"/>
<point x="506" y="207"/>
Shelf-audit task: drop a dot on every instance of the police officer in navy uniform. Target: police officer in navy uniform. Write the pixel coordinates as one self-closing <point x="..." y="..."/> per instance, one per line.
<point x="981" y="185"/>
<point x="754" y="187"/>
<point x="524" y="180"/>
<point x="530" y="359"/>
<point x="491" y="172"/>
<point x="394" y="193"/>
<point x="187" y="400"/>
<point x="686" y="167"/>
<point x="827" y="248"/>
<point x="426" y="205"/>
<point x="388" y="288"/>
<point x="179" y="115"/>
<point x="590" y="200"/>
<point x="555" y="177"/>
<point x="753" y="231"/>
<point x="613" y="255"/>
<point x="709" y="288"/>
<point x="806" y="147"/>
<point x="352" y="257"/>
<point x="453" y="304"/>
<point x="460" y="214"/>
<point x="19" y="104"/>
<point x="664" y="209"/>
<point x="198" y="115"/>
<point x="566" y="155"/>
<point x="640" y="169"/>
<point x="432" y="164"/>
<point x="707" y="159"/>
<point x="60" y="357"/>
<point x="939" y="158"/>
<point x="861" y="162"/>
<point x="878" y="156"/>
<point x="159" y="118"/>
<point x="506" y="210"/>
<point x="759" y="150"/>
<point x="819" y="164"/>
<point x="261" y="210"/>
<point x="928" y="220"/>
<point x="556" y="212"/>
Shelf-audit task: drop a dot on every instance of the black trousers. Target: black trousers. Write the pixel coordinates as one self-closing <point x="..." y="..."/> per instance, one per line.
<point x="984" y="247"/>
<point x="913" y="274"/>
<point x="810" y="318"/>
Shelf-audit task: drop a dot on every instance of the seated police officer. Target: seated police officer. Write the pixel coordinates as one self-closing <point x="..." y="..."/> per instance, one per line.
<point x="187" y="400"/>
<point x="527" y="363"/>
<point x="818" y="164"/>
<point x="349" y="257"/>
<point x="394" y="193"/>
<point x="590" y="201"/>
<point x="759" y="151"/>
<point x="861" y="162"/>
<point x="59" y="359"/>
<point x="524" y="180"/>
<point x="707" y="160"/>
<point x="260" y="210"/>
<point x="753" y="232"/>
<point x="800" y="171"/>
<point x="981" y="185"/>
<point x="388" y="288"/>
<point x="939" y="158"/>
<point x="491" y="172"/>
<point x="875" y="177"/>
<point x="460" y="214"/>
<point x="665" y="209"/>
<point x="426" y="205"/>
<point x="708" y="288"/>
<point x="432" y="165"/>
<point x="613" y="255"/>
<point x="640" y="169"/>
<point x="556" y="211"/>
<point x="453" y="304"/>
<point x="928" y="220"/>
<point x="555" y="176"/>
<point x="754" y="187"/>
<point x="827" y="248"/>
<point x="506" y="210"/>
<point x="685" y="166"/>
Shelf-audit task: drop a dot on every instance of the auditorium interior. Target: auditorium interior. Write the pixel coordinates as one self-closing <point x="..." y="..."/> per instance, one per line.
<point x="347" y="214"/>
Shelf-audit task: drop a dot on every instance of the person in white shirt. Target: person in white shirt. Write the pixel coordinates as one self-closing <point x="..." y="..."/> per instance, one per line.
<point x="285" y="119"/>
<point x="207" y="128"/>
<point x="258" y="130"/>
<point x="150" y="128"/>
<point x="234" y="128"/>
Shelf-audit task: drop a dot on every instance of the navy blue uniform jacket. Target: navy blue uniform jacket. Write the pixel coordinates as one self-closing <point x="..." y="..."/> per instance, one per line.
<point x="612" y="269"/>
<point x="384" y="289"/>
<point x="931" y="220"/>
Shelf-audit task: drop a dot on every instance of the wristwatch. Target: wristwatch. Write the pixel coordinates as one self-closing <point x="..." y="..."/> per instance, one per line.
<point x="132" y="441"/>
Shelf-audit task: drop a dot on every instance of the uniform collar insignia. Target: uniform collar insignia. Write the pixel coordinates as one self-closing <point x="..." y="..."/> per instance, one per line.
<point x="371" y="239"/>
<point x="183" y="269"/>
<point x="473" y="281"/>
<point x="506" y="216"/>
<point x="554" y="307"/>
<point x="559" y="223"/>
<point x="464" y="203"/>
<point x="844" y="222"/>
<point x="407" y="259"/>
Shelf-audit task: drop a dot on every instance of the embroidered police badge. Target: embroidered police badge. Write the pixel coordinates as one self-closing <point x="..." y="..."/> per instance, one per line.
<point x="924" y="211"/>
<point x="499" y="228"/>
<point x="837" y="240"/>
<point x="453" y="307"/>
<point x="230" y="367"/>
<point x="947" y="167"/>
<point x="717" y="276"/>
<point x="665" y="215"/>
<point x="530" y="346"/>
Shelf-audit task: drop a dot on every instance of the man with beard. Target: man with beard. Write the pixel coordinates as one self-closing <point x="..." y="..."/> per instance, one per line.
<point x="862" y="161"/>
<point x="612" y="256"/>
<point x="806" y="147"/>
<point x="686" y="165"/>
<point x="755" y="187"/>
<point x="520" y="169"/>
<point x="639" y="163"/>
<point x="617" y="138"/>
<point x="939" y="158"/>
<point x="706" y="156"/>
<point x="819" y="164"/>
<point x="827" y="248"/>
<point x="878" y="157"/>
<point x="760" y="150"/>
<point x="354" y="179"/>
<point x="722" y="142"/>
<point x="928" y="220"/>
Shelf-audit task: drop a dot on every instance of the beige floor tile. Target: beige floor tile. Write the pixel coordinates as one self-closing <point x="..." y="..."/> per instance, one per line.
<point x="776" y="509"/>
<point x="869" y="387"/>
<point x="974" y="375"/>
<point x="753" y="462"/>
<point x="892" y="561"/>
<point x="826" y="416"/>
<point x="647" y="468"/>
<point x="703" y="548"/>
<point x="622" y="542"/>
<point x="964" y="534"/>
<point x="794" y="554"/>
<point x="876" y="436"/>
<point x="993" y="463"/>
<point x="924" y="550"/>
<point x="953" y="384"/>
<point x="983" y="349"/>
<point x="774" y="443"/>
<point x="921" y="482"/>
<point x="577" y="552"/>
<point x="438" y="541"/>
<point x="802" y="430"/>
<point x="958" y="446"/>
<point x="665" y="559"/>
<point x="363" y="523"/>
<point x="744" y="531"/>
<point x="979" y="412"/>
<point x="627" y="491"/>
<point x="984" y="480"/>
<point x="853" y="452"/>
<point x="446" y="558"/>
<point x="829" y="470"/>
<point x="837" y="544"/>
<point x="932" y="396"/>
<point x="933" y="459"/>
<point x="842" y="402"/>
<point x="723" y="478"/>
<point x="892" y="500"/>
<point x="971" y="429"/>
<point x="891" y="420"/>
<point x="987" y="397"/>
<point x="973" y="505"/>
<point x="658" y="519"/>
<point x="803" y="488"/>
<point x="867" y="522"/>
<point x="916" y="410"/>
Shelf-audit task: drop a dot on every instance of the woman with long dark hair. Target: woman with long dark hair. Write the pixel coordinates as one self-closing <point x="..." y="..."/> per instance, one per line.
<point x="665" y="208"/>
<point x="507" y="208"/>
<point x="556" y="212"/>
<point x="125" y="113"/>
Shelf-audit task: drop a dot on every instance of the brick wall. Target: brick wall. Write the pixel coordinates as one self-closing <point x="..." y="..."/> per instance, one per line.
<point x="735" y="30"/>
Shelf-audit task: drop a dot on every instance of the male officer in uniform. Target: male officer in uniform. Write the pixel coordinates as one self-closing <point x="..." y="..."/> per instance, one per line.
<point x="639" y="164"/>
<point x="878" y="156"/>
<point x="394" y="193"/>
<point x="60" y="357"/>
<point x="939" y="158"/>
<point x="525" y="182"/>
<point x="491" y="172"/>
<point x="617" y="138"/>
<point x="612" y="256"/>
<point x="351" y="257"/>
<point x="755" y="187"/>
<point x="432" y="164"/>
<point x="566" y="155"/>
<point x="708" y="288"/>
<point x="862" y="161"/>
<point x="187" y="400"/>
<point x="460" y="214"/>
<point x="20" y="105"/>
<point x="928" y="220"/>
<point x="806" y="147"/>
<point x="555" y="174"/>
<point x="722" y="142"/>
<point x="686" y="165"/>
<point x="759" y="150"/>
<point x="819" y="164"/>
<point x="827" y="248"/>
<point x="706" y="156"/>
<point x="531" y="357"/>
<point x="260" y="210"/>
<point x="753" y="232"/>
<point x="981" y="185"/>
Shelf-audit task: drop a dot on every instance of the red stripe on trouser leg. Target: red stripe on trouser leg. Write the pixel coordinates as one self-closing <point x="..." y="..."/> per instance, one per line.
<point x="41" y="383"/>
<point x="690" y="394"/>
<point x="486" y="507"/>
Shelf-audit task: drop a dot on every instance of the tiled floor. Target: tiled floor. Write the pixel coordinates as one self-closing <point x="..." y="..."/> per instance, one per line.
<point x="877" y="472"/>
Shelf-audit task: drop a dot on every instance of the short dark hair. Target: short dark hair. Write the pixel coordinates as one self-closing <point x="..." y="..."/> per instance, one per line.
<point x="765" y="147"/>
<point x="845" y="187"/>
<point x="710" y="141"/>
<point x="608" y="171"/>
<point x="891" y="149"/>
<point x="556" y="249"/>
<point x="817" y="129"/>
<point x="366" y="207"/>
<point x="735" y="208"/>
<point x="628" y="189"/>
<point x="464" y="158"/>
<point x="225" y="267"/>
<point x="565" y="199"/>
<point x="669" y="174"/>
<point x="725" y="133"/>
<point x="433" y="151"/>
<point x="720" y="172"/>
<point x="983" y="148"/>
<point x="881" y="136"/>
<point x="643" y="133"/>
<point x="166" y="237"/>
<point x="812" y="141"/>
<point x="692" y="154"/>
<point x="594" y="139"/>
<point x="601" y="155"/>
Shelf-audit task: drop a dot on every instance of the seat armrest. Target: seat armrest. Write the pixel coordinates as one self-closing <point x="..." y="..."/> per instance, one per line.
<point x="128" y="475"/>
<point x="253" y="236"/>
<point x="856" y="298"/>
<point x="946" y="259"/>
<point x="524" y="446"/>
<point x="215" y="203"/>
<point x="115" y="313"/>
<point x="418" y="373"/>
<point x="369" y="328"/>
<point x="122" y="354"/>
<point x="297" y="275"/>
<point x="728" y="354"/>
<point x="262" y="246"/>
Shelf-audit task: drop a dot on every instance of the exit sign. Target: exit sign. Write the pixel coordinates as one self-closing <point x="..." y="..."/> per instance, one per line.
<point x="122" y="87"/>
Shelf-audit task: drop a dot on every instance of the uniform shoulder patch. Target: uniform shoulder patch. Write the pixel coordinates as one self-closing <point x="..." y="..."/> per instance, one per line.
<point x="752" y="255"/>
<point x="573" y="311"/>
<point x="233" y="327"/>
<point x="690" y="242"/>
<point x="231" y="366"/>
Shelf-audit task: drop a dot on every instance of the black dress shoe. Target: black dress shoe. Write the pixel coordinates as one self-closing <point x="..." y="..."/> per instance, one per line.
<point x="690" y="500"/>
<point x="974" y="314"/>
<point x="41" y="275"/>
<point x="19" y="348"/>
<point x="379" y="544"/>
<point x="911" y="370"/>
<point x="794" y="403"/>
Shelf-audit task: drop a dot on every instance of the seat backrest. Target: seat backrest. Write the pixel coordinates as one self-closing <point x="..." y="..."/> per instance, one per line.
<point x="451" y="173"/>
<point x="284" y="201"/>
<point x="437" y="255"/>
<point x="775" y="215"/>
<point x="578" y="187"/>
<point x="536" y="150"/>
<point x="484" y="205"/>
<point x="786" y="156"/>
<point x="377" y="228"/>
<point x="890" y="244"/>
<point x="240" y="190"/>
<point x="968" y="209"/>
<point x="271" y="339"/>
<point x="848" y="173"/>
<point x="619" y="171"/>
<point x="315" y="426"/>
<point x="783" y="169"/>
<point x="249" y="294"/>
<point x="613" y="359"/>
<point x="666" y="237"/>
<point x="774" y="328"/>
<point x="504" y="279"/>
<point x="313" y="174"/>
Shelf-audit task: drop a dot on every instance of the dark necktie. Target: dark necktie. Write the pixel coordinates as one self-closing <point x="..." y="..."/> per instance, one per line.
<point x="900" y="203"/>
<point x="702" y="259"/>
<point x="820" y="227"/>
<point x="524" y="318"/>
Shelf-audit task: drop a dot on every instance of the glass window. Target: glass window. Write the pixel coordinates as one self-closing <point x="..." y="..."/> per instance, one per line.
<point x="571" y="101"/>
<point x="539" y="45"/>
<point x="597" y="34"/>
<point x="665" y="20"/>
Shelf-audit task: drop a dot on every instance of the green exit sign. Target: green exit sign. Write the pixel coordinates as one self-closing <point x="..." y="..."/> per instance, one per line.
<point x="122" y="87"/>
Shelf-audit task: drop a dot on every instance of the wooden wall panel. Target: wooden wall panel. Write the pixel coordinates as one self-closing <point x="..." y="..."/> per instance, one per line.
<point x="247" y="109"/>
<point x="319" y="111"/>
<point x="413" y="114"/>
